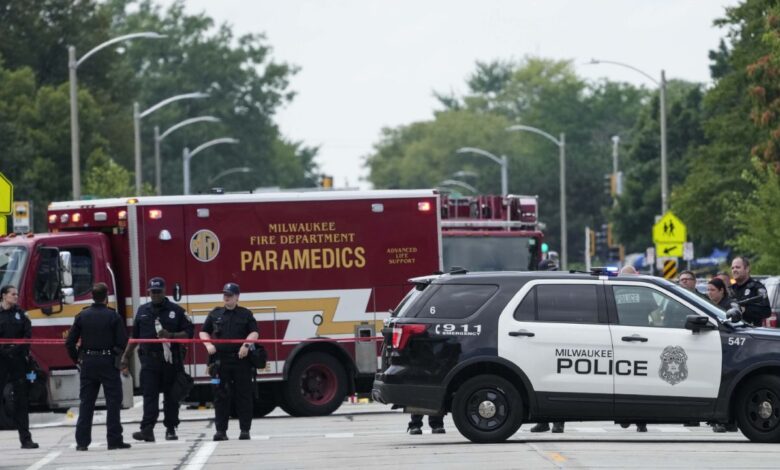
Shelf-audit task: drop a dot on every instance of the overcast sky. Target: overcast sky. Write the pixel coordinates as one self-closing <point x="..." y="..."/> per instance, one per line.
<point x="368" y="64"/>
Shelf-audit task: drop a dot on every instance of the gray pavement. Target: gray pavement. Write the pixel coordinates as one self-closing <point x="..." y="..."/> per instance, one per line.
<point x="371" y="435"/>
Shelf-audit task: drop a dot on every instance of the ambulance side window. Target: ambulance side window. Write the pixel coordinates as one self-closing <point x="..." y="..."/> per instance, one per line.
<point x="47" y="277"/>
<point x="570" y="303"/>
<point x="81" y="262"/>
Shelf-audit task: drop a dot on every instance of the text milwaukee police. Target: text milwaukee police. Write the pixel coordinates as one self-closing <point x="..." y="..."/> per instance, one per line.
<point x="275" y="258"/>
<point x="596" y="362"/>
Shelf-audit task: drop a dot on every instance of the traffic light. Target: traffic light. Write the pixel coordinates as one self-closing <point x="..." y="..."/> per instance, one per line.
<point x="608" y="184"/>
<point x="545" y="248"/>
<point x="616" y="253"/>
<point x="326" y="181"/>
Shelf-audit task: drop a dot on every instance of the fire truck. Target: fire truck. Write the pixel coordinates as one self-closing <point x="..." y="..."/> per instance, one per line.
<point x="491" y="233"/>
<point x="319" y="270"/>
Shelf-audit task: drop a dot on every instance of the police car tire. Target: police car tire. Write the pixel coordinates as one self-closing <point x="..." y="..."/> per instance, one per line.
<point x="499" y="398"/>
<point x="759" y="390"/>
<point x="336" y="386"/>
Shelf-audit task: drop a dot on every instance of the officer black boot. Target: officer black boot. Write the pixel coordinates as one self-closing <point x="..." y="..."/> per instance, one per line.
<point x="170" y="434"/>
<point x="541" y="427"/>
<point x="244" y="436"/>
<point x="145" y="435"/>
<point x="641" y="427"/>
<point x="438" y="430"/>
<point x="557" y="427"/>
<point x="29" y="444"/>
<point x="414" y="430"/>
<point x="220" y="436"/>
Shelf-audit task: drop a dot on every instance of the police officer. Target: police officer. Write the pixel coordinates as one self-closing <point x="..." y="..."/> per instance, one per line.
<point x="14" y="359"/>
<point x="160" y="363"/>
<point x="757" y="309"/>
<point x="230" y="362"/>
<point x="103" y="338"/>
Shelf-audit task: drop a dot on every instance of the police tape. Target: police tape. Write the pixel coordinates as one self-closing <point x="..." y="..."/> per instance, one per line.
<point x="59" y="341"/>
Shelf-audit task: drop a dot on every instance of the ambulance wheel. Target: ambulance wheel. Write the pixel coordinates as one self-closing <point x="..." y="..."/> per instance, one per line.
<point x="316" y="386"/>
<point x="7" y="408"/>
<point x="487" y="408"/>
<point x="264" y="402"/>
<point x="758" y="409"/>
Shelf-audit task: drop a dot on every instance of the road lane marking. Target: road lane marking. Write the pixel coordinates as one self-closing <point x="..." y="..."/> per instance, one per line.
<point x="202" y="456"/>
<point x="337" y="435"/>
<point x="45" y="460"/>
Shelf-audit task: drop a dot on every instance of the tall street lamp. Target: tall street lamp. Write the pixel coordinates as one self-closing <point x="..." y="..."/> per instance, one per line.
<point x="159" y="138"/>
<point x="462" y="184"/>
<point x="662" y="111"/>
<point x="188" y="156"/>
<point x="73" y="64"/>
<point x="230" y="171"/>
<point x="561" y="143"/>
<point x="138" y="115"/>
<point x="500" y="160"/>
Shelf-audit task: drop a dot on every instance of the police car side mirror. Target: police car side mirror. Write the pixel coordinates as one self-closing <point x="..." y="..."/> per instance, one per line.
<point x="696" y="323"/>
<point x="734" y="314"/>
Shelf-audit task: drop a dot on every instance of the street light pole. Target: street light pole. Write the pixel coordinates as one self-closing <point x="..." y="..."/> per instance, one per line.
<point x="73" y="64"/>
<point x="561" y="143"/>
<point x="502" y="161"/>
<point x="137" y="116"/>
<point x="187" y="156"/>
<point x="230" y="171"/>
<point x="158" y="138"/>
<point x="662" y="119"/>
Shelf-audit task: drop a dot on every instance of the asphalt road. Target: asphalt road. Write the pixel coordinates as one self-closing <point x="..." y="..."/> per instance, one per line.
<point x="371" y="436"/>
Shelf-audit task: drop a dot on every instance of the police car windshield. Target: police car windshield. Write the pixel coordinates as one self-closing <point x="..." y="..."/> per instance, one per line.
<point x="698" y="300"/>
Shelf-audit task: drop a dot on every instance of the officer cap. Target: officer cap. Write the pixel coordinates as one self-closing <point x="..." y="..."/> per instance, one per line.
<point x="156" y="283"/>
<point x="231" y="288"/>
<point x="547" y="265"/>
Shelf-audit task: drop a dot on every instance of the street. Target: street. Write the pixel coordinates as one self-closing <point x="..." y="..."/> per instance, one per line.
<point x="363" y="435"/>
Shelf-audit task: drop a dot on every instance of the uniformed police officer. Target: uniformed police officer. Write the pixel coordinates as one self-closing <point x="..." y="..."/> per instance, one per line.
<point x="757" y="309"/>
<point x="160" y="363"/>
<point x="103" y="338"/>
<point x="14" y="323"/>
<point x="233" y="370"/>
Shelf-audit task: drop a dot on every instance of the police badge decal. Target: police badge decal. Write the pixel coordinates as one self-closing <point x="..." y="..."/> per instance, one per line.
<point x="673" y="368"/>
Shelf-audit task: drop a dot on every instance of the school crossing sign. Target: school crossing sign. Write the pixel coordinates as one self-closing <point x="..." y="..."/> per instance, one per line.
<point x="6" y="199"/>
<point x="669" y="235"/>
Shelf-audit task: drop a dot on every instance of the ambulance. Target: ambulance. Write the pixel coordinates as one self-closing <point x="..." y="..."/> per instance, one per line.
<point x="319" y="270"/>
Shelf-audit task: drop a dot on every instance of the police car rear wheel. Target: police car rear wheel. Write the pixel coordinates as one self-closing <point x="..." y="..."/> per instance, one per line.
<point x="487" y="408"/>
<point x="758" y="409"/>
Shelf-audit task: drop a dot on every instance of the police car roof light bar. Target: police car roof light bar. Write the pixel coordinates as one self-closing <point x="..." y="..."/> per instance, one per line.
<point x="604" y="271"/>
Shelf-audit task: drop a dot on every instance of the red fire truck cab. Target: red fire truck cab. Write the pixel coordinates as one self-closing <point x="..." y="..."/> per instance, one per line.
<point x="491" y="233"/>
<point x="311" y="265"/>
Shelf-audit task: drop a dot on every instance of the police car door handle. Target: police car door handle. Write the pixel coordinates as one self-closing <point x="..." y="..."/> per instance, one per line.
<point x="635" y="338"/>
<point x="521" y="333"/>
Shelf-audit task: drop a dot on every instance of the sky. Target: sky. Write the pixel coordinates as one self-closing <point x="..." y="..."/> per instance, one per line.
<point x="369" y="64"/>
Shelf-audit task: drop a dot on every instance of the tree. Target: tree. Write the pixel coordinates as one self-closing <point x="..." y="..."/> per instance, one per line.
<point x="759" y="212"/>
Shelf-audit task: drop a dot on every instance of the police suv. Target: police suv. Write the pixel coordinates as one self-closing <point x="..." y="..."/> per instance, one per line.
<point x="500" y="349"/>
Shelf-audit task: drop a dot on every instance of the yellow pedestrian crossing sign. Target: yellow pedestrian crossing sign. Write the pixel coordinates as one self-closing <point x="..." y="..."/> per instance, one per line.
<point x="669" y="235"/>
<point x="6" y="194"/>
<point x="670" y="229"/>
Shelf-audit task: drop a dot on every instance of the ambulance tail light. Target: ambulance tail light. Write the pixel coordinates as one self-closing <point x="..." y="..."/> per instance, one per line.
<point x="122" y="215"/>
<point x="403" y="333"/>
<point x="76" y="218"/>
<point x="424" y="206"/>
<point x="52" y="218"/>
<point x="155" y="214"/>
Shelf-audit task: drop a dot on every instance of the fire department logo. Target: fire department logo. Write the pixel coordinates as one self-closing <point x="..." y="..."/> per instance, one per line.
<point x="673" y="368"/>
<point x="204" y="245"/>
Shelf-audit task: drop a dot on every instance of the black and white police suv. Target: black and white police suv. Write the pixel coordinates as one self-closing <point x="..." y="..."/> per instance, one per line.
<point x="501" y="349"/>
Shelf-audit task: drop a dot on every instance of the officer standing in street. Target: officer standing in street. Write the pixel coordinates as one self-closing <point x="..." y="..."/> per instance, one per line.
<point x="15" y="324"/>
<point x="229" y="362"/>
<point x="103" y="336"/>
<point x="754" y="311"/>
<point x="160" y="362"/>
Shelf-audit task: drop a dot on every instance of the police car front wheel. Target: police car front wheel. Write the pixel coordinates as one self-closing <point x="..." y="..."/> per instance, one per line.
<point x="487" y="408"/>
<point x="758" y="409"/>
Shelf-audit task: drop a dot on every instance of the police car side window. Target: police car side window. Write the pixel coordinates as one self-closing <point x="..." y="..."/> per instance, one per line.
<point x="526" y="311"/>
<point x="642" y="306"/>
<point x="570" y="303"/>
<point x="453" y="301"/>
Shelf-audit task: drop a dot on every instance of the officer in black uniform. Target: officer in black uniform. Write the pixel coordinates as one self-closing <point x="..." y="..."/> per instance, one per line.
<point x="103" y="336"/>
<point x="160" y="363"/>
<point x="756" y="310"/>
<point x="14" y="360"/>
<point x="229" y="361"/>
